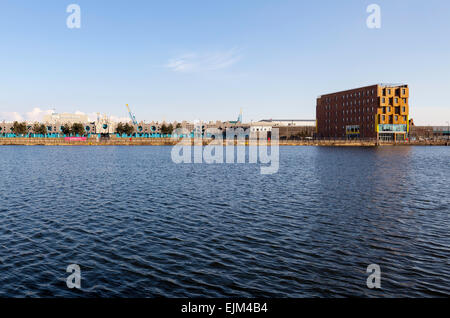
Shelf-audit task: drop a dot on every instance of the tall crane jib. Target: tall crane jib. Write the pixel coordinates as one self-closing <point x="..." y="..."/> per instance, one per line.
<point x="133" y="118"/>
<point x="239" y="120"/>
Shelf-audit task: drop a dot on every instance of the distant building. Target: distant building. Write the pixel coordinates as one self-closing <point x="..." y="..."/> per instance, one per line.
<point x="441" y="131"/>
<point x="296" y="132"/>
<point x="378" y="111"/>
<point x="104" y="126"/>
<point x="66" y="118"/>
<point x="287" y="128"/>
<point x="429" y="132"/>
<point x="290" y="122"/>
<point x="261" y="126"/>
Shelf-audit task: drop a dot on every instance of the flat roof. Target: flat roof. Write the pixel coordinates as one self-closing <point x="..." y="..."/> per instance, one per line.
<point x="378" y="84"/>
<point x="392" y="84"/>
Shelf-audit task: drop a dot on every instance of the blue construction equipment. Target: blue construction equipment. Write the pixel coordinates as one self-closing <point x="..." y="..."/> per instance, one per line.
<point x="133" y="118"/>
<point x="239" y="120"/>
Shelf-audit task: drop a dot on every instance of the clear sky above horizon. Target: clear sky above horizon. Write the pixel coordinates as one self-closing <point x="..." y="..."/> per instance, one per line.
<point x="204" y="59"/>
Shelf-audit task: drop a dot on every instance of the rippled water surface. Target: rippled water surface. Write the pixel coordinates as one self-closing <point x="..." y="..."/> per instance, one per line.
<point x="141" y="226"/>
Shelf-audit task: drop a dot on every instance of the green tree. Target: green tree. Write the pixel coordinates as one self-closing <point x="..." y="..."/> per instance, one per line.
<point x="163" y="129"/>
<point x="39" y="129"/>
<point x="19" y="128"/>
<point x="66" y="129"/>
<point x="124" y="129"/>
<point x="120" y="129"/>
<point x="128" y="129"/>
<point x="78" y="129"/>
<point x="170" y="129"/>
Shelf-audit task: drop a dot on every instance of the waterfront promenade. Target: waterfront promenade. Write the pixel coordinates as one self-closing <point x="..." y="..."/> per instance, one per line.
<point x="171" y="142"/>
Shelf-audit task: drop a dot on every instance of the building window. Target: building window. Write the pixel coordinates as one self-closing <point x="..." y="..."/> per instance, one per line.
<point x="396" y="100"/>
<point x="403" y="109"/>
<point x="383" y="100"/>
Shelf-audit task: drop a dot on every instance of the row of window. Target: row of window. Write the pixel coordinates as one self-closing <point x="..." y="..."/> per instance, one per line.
<point x="352" y="111"/>
<point x="260" y="129"/>
<point x="396" y="118"/>
<point x="396" y="100"/>
<point x="359" y="94"/>
<point x="367" y="118"/>
<point x="367" y="126"/>
<point x="388" y="91"/>
<point x="387" y="109"/>
<point x="366" y="101"/>
<point x="353" y="95"/>
<point x="352" y="103"/>
<point x="349" y="120"/>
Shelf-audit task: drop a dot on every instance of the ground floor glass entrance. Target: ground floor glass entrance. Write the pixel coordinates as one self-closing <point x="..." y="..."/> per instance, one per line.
<point x="392" y="137"/>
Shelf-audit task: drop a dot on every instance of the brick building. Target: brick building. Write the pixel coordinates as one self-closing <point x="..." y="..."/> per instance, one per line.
<point x="378" y="111"/>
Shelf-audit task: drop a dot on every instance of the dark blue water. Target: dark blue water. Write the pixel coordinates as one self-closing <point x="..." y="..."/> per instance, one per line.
<point x="141" y="226"/>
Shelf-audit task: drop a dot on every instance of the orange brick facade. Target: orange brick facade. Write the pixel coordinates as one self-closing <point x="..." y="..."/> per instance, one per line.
<point x="377" y="111"/>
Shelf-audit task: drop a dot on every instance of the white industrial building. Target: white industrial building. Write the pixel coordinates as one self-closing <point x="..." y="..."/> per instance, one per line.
<point x="66" y="118"/>
<point x="290" y="122"/>
<point x="268" y="124"/>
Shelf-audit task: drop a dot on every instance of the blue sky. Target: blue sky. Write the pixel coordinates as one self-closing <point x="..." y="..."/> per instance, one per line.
<point x="206" y="59"/>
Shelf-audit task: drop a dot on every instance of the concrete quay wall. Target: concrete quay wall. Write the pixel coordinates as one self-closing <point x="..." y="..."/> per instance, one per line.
<point x="171" y="142"/>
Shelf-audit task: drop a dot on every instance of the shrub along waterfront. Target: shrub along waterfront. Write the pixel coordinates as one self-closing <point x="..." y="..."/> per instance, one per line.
<point x="20" y="130"/>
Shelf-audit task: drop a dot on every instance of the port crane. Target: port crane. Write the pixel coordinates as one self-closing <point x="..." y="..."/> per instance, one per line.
<point x="239" y="120"/>
<point x="240" y="117"/>
<point x="133" y="118"/>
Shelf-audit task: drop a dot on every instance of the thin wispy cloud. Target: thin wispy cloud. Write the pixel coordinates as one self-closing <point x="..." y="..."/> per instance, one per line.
<point x="195" y="62"/>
